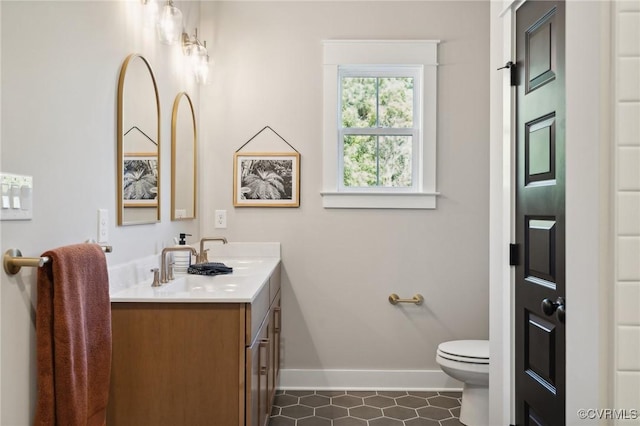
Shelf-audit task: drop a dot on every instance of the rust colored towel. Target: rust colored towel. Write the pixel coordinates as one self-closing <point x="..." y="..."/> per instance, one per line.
<point x="73" y="332"/>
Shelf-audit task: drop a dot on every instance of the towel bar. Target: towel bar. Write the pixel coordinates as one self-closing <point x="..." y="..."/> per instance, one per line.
<point x="13" y="260"/>
<point x="394" y="299"/>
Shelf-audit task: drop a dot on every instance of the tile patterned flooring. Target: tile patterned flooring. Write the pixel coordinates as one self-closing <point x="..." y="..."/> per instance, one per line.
<point x="365" y="408"/>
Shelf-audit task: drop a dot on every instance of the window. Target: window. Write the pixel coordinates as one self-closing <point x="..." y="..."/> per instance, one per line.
<point x="379" y="127"/>
<point x="379" y="124"/>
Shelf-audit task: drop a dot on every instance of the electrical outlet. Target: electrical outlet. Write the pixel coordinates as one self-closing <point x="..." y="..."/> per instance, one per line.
<point x="221" y="219"/>
<point x="103" y="225"/>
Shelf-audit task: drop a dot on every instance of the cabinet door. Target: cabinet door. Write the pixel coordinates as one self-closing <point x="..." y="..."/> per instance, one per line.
<point x="256" y="373"/>
<point x="274" y="337"/>
<point x="177" y="364"/>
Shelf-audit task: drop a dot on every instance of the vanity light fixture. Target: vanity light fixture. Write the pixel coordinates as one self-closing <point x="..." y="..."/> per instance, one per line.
<point x="169" y="26"/>
<point x="197" y="55"/>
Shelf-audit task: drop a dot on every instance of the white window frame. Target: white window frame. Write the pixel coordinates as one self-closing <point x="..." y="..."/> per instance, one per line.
<point x="343" y="55"/>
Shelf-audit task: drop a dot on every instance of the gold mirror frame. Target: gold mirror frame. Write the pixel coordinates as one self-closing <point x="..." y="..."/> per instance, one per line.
<point x="181" y="183"/>
<point x="140" y="208"/>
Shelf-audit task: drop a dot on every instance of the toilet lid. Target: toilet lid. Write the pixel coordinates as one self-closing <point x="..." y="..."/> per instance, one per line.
<point x="473" y="349"/>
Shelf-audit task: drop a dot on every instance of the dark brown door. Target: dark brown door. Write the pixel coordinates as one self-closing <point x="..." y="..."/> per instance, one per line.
<point x="540" y="214"/>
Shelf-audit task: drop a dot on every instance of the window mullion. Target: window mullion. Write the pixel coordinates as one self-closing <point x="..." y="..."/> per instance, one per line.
<point x="378" y="127"/>
<point x="377" y="160"/>
<point x="377" y="102"/>
<point x="386" y="131"/>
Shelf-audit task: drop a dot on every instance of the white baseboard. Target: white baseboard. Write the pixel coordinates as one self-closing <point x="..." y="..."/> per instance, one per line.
<point x="415" y="380"/>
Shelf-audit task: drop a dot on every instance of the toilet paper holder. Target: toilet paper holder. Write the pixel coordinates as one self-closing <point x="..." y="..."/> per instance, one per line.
<point x="394" y="299"/>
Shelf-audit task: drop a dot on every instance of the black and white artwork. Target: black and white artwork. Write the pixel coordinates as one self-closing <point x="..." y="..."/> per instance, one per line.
<point x="269" y="180"/>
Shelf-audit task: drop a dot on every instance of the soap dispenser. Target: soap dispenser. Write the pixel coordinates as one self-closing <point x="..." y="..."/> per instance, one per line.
<point x="182" y="258"/>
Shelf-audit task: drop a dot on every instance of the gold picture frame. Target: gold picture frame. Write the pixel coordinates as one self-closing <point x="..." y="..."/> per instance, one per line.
<point x="266" y="179"/>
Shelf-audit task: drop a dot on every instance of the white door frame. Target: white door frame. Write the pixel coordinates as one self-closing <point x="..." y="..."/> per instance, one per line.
<point x="588" y="205"/>
<point x="502" y="210"/>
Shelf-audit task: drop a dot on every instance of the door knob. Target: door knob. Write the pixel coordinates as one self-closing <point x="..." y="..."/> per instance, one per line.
<point x="549" y="307"/>
<point x="560" y="311"/>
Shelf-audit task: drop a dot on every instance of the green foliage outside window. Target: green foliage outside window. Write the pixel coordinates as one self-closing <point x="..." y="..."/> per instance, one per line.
<point x="368" y="103"/>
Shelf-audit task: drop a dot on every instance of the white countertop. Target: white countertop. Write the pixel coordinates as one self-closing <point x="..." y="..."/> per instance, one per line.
<point x="250" y="273"/>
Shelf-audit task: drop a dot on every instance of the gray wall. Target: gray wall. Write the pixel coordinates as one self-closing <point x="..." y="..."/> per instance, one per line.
<point x="341" y="265"/>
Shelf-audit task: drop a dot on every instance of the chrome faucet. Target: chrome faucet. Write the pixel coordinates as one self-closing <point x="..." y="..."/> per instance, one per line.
<point x="202" y="257"/>
<point x="163" y="261"/>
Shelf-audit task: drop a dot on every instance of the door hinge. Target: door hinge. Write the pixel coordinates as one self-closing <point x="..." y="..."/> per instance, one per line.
<point x="513" y="254"/>
<point x="511" y="66"/>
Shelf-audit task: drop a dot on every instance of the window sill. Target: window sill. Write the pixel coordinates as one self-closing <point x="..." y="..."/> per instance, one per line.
<point x="377" y="200"/>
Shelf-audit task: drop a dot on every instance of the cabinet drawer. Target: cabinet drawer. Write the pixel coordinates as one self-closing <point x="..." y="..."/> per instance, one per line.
<point x="255" y="313"/>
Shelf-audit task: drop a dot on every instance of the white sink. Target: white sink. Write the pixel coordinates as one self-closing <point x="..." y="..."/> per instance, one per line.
<point x="200" y="283"/>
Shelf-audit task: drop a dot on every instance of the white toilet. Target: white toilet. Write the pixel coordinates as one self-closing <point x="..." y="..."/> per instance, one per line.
<point x="468" y="362"/>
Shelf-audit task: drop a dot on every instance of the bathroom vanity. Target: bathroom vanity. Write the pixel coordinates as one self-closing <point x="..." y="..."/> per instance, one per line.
<point x="199" y="350"/>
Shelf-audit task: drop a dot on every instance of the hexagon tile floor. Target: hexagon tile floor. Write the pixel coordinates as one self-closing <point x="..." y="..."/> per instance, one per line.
<point x="365" y="408"/>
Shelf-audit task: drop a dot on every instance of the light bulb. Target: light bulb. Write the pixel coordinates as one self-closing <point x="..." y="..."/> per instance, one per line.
<point x="201" y="70"/>
<point x="169" y="25"/>
<point x="198" y="59"/>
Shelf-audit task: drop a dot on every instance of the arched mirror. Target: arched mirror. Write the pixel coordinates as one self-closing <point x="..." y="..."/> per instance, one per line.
<point x="138" y="130"/>
<point x="183" y="159"/>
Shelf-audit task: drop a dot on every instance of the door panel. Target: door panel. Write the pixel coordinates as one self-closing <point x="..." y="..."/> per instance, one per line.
<point x="540" y="251"/>
<point x="540" y="357"/>
<point x="540" y="46"/>
<point x="540" y="144"/>
<point x="540" y="214"/>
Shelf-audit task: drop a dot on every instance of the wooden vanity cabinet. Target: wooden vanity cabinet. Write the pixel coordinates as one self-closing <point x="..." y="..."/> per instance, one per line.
<point x="190" y="364"/>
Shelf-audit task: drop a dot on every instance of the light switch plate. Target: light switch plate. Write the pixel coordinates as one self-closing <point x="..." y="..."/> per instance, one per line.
<point x="17" y="197"/>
